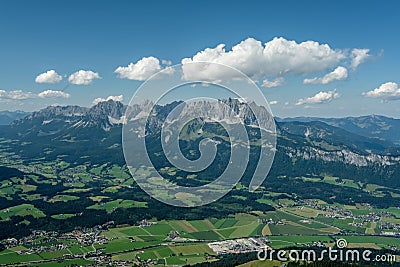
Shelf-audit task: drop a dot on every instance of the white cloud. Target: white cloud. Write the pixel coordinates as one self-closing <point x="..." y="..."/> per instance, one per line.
<point x="358" y="56"/>
<point x="16" y="95"/>
<point x="275" y="58"/>
<point x="340" y="73"/>
<point x="83" y="77"/>
<point x="166" y="62"/>
<point x="143" y="69"/>
<point x="274" y="83"/>
<point x="387" y="91"/>
<point x="22" y="95"/>
<point x="53" y="94"/>
<point x="319" y="98"/>
<point x="119" y="98"/>
<point x="50" y="76"/>
<point x="273" y="102"/>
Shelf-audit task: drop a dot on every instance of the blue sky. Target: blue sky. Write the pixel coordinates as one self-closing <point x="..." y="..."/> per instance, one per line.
<point x="100" y="36"/>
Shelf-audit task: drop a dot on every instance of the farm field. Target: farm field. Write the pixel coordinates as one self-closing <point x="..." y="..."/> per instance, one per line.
<point x="156" y="242"/>
<point x="21" y="210"/>
<point x="111" y="206"/>
<point x="178" y="242"/>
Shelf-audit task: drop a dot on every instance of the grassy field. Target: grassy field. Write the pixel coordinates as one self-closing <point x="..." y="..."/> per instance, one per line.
<point x="110" y="206"/>
<point x="395" y="211"/>
<point x="77" y="190"/>
<point x="21" y="210"/>
<point x="62" y="216"/>
<point x="98" y="198"/>
<point x="203" y="225"/>
<point x="54" y="254"/>
<point x="9" y="257"/>
<point x="172" y="254"/>
<point x="151" y="242"/>
<point x="112" y="189"/>
<point x="304" y="212"/>
<point x="62" y="198"/>
<point x="241" y="225"/>
<point x="333" y="180"/>
<point x="125" y="244"/>
<point x="192" y="249"/>
<point x="78" y="249"/>
<point x="291" y="226"/>
<point x="224" y="223"/>
<point x="119" y="172"/>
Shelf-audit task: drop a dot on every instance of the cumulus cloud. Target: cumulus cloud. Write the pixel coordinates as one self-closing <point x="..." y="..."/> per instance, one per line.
<point x="53" y="94"/>
<point x="274" y="83"/>
<point x="50" y="76"/>
<point x="22" y="95"/>
<point x="83" y="77"/>
<point x="358" y="56"/>
<point x="166" y="62"/>
<point x="275" y="58"/>
<point x="273" y="102"/>
<point x="16" y="95"/>
<point x="143" y="69"/>
<point x="387" y="91"/>
<point x="119" y="98"/>
<point x="340" y="73"/>
<point x="319" y="98"/>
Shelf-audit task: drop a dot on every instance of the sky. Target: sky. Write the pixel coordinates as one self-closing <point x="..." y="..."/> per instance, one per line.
<point x="309" y="58"/>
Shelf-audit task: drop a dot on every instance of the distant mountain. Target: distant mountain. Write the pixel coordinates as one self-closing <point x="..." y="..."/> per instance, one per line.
<point x="54" y="120"/>
<point x="108" y="114"/>
<point x="370" y="126"/>
<point x="81" y="135"/>
<point x="6" y="117"/>
<point x="362" y="135"/>
<point x="327" y="136"/>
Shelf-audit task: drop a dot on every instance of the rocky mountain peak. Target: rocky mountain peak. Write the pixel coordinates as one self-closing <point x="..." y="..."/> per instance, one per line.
<point x="114" y="109"/>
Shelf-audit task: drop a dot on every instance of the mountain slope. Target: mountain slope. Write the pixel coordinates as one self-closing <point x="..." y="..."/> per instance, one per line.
<point x="93" y="136"/>
<point x="7" y="117"/>
<point x="333" y="138"/>
<point x="373" y="126"/>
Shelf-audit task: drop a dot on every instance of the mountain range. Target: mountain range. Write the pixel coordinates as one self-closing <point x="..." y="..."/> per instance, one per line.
<point x="107" y="114"/>
<point x="370" y="126"/>
<point x="6" y="117"/>
<point x="366" y="134"/>
<point x="347" y="146"/>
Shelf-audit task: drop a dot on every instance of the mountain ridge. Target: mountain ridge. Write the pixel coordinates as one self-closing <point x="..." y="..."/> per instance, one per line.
<point x="108" y="114"/>
<point x="94" y="136"/>
<point x="376" y="126"/>
<point x="7" y="117"/>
